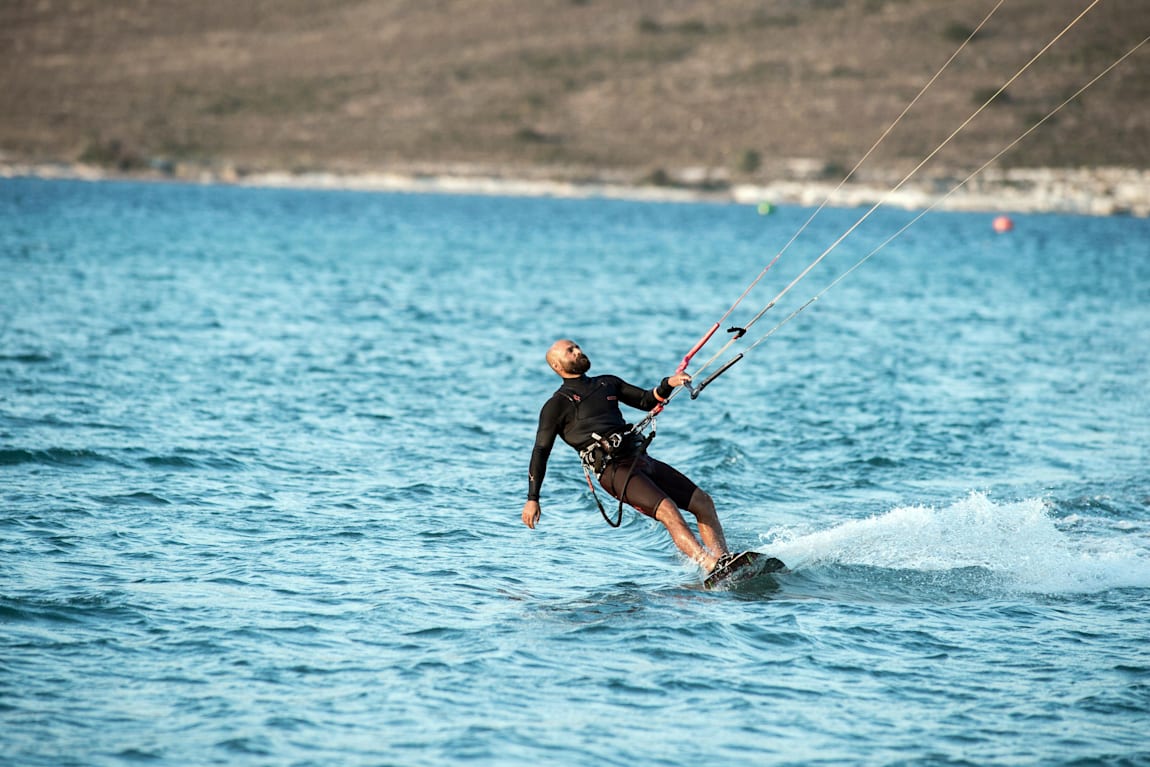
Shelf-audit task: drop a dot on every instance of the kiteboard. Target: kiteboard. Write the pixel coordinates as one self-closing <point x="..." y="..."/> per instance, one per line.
<point x="744" y="567"/>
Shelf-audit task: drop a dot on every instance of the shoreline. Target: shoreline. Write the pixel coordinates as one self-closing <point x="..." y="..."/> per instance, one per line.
<point x="1085" y="191"/>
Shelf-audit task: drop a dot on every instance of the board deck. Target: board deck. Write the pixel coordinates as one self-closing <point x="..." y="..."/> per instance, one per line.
<point x="745" y="566"/>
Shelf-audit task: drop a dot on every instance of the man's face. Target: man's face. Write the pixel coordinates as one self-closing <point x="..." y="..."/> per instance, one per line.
<point x="569" y="359"/>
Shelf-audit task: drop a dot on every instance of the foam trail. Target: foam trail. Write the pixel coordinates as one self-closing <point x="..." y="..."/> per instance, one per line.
<point x="1020" y="542"/>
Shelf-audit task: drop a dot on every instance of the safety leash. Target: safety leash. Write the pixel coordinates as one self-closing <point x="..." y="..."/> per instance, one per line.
<point x="643" y="443"/>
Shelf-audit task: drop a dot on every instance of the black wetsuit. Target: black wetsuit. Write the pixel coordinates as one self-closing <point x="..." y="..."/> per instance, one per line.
<point x="583" y="407"/>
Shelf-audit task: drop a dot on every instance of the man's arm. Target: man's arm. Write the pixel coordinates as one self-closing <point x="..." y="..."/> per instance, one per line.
<point x="549" y="418"/>
<point x="646" y="399"/>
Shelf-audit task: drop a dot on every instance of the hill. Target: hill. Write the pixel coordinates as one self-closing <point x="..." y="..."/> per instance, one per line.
<point x="669" y="91"/>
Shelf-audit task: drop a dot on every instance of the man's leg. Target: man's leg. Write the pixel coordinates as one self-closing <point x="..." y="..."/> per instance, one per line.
<point x="710" y="529"/>
<point x="668" y="513"/>
<point x="645" y="495"/>
<point x="689" y="496"/>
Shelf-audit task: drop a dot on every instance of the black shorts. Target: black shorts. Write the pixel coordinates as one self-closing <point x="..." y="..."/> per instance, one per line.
<point x="651" y="482"/>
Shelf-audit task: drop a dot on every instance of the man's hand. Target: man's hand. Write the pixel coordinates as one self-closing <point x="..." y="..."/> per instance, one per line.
<point x="679" y="379"/>
<point x="531" y="513"/>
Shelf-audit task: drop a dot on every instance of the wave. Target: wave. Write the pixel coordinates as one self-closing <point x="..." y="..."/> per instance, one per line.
<point x="30" y="358"/>
<point x="59" y="456"/>
<point x="56" y="456"/>
<point x="134" y="498"/>
<point x="1020" y="543"/>
<point x="77" y="608"/>
<point x="193" y="460"/>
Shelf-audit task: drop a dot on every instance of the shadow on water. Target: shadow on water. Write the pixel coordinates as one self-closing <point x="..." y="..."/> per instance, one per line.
<point x="760" y="588"/>
<point x="870" y="584"/>
<point x="864" y="584"/>
<point x="840" y="583"/>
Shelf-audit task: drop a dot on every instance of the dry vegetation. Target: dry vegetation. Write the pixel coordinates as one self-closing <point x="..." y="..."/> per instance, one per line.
<point x="745" y="90"/>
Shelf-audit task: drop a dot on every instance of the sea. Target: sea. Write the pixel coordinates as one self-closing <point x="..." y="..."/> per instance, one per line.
<point x="263" y="455"/>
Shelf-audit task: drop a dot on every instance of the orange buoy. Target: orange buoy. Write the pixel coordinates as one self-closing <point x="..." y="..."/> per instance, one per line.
<point x="1003" y="224"/>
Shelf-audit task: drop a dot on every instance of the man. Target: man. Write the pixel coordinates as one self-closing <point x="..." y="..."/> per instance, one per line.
<point x="585" y="412"/>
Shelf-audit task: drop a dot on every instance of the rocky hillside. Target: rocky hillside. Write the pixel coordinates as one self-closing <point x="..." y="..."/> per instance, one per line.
<point x="718" y="91"/>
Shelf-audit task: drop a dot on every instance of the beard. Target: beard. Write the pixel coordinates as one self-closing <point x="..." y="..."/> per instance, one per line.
<point x="579" y="365"/>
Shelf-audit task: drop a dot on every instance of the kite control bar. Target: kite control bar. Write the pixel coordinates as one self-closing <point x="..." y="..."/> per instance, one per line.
<point x="697" y="390"/>
<point x="647" y="419"/>
<point x="682" y="367"/>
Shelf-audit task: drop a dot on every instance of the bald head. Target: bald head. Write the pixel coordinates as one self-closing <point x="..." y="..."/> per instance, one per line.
<point x="567" y="359"/>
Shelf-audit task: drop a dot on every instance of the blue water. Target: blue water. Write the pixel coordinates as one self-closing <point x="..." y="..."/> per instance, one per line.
<point x="263" y="455"/>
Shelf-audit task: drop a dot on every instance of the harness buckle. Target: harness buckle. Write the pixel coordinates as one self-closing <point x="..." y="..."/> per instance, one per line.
<point x="598" y="454"/>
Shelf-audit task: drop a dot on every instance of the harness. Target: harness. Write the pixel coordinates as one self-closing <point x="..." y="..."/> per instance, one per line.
<point x="602" y="451"/>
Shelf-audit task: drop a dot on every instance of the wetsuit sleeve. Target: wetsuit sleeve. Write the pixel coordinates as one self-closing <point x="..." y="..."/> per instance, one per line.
<point x="549" y="422"/>
<point x="644" y="399"/>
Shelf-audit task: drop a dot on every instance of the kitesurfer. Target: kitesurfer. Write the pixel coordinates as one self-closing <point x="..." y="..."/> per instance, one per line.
<point x="585" y="413"/>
